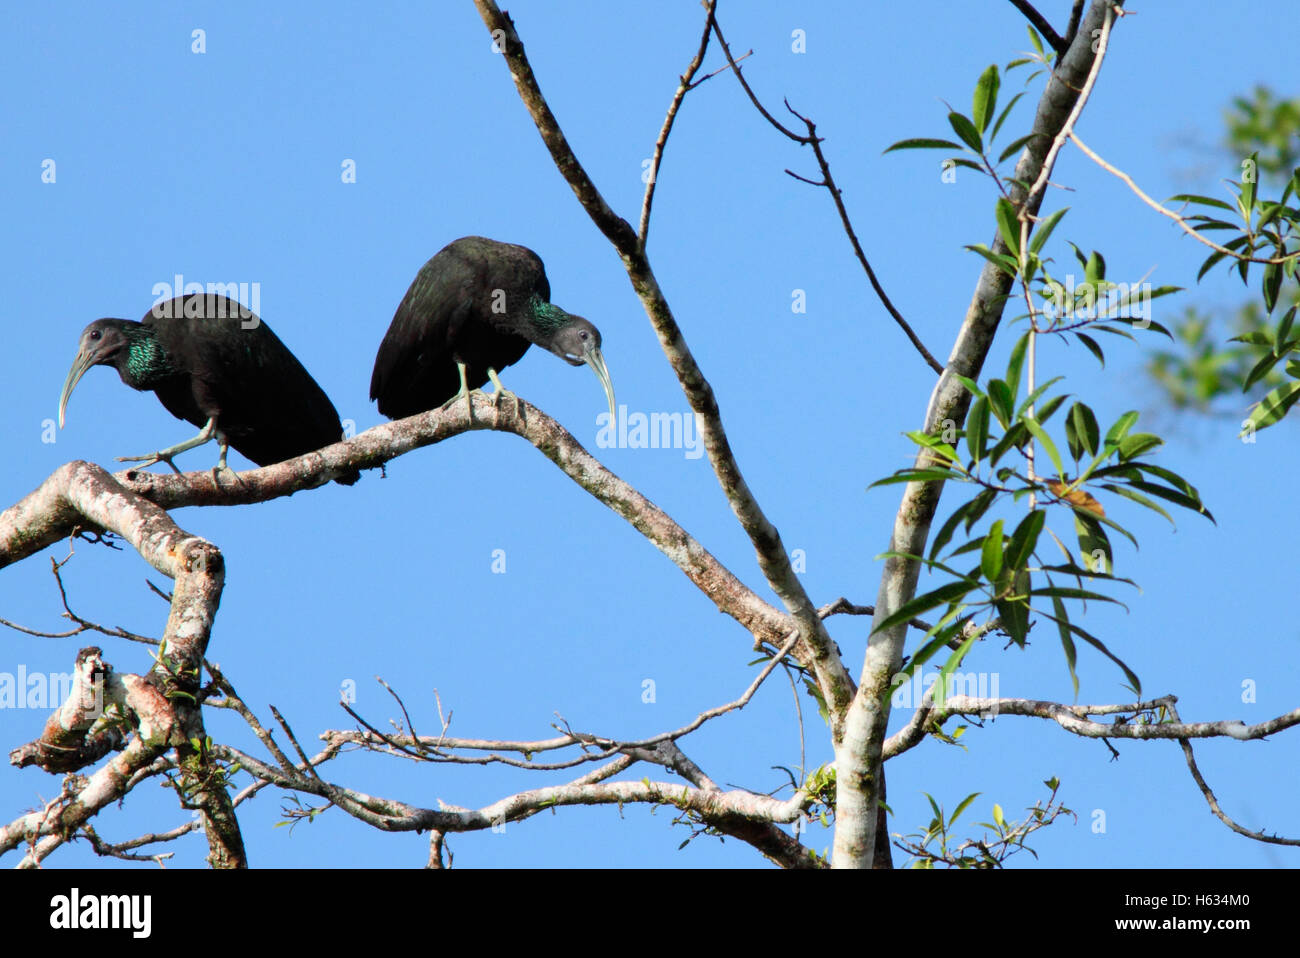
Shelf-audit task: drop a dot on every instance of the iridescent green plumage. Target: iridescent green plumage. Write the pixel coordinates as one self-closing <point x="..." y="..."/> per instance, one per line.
<point x="213" y="363"/>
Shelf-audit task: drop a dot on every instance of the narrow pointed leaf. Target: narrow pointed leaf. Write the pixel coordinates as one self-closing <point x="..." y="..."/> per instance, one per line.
<point x="985" y="101"/>
<point x="966" y="131"/>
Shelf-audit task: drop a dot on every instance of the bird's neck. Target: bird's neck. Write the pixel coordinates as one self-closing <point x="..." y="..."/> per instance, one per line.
<point x="545" y="317"/>
<point x="145" y="363"/>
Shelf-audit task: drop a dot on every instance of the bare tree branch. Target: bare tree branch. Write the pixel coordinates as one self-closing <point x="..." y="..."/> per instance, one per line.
<point x="683" y="87"/>
<point x="1054" y="39"/>
<point x="828" y="181"/>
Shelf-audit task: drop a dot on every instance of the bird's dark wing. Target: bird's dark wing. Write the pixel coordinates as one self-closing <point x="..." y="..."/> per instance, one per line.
<point x="462" y="306"/>
<point x="266" y="403"/>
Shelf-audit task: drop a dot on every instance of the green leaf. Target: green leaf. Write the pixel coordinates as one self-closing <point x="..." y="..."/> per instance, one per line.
<point x="962" y="807"/>
<point x="977" y="429"/>
<point x="1065" y="592"/>
<point x="1138" y="444"/>
<point x="1034" y="396"/>
<point x="927" y="441"/>
<point x="997" y="815"/>
<point x="1002" y="401"/>
<point x="948" y="593"/>
<point x="966" y="131"/>
<point x="1272" y="284"/>
<point x="985" y="100"/>
<point x="1094" y="545"/>
<point x="1045" y="229"/>
<point x="1033" y="38"/>
<point x="1024" y="539"/>
<point x="1014" y="437"/>
<point x="1015" y="363"/>
<point x="991" y="554"/>
<point x="942" y="684"/>
<point x="1067" y="643"/>
<point x="1045" y="441"/>
<point x="1203" y="200"/>
<point x="1256" y="337"/>
<point x="1008" y="225"/>
<point x="1094" y="270"/>
<point x="949" y="527"/>
<point x="1137" y="497"/>
<point x="1261" y="369"/>
<point x="1209" y="263"/>
<point x="918" y="475"/>
<point x="924" y="143"/>
<point x="1015" y="619"/>
<point x="1121" y="427"/>
<point x="1006" y="110"/>
<point x="1171" y="495"/>
<point x="1084" y="425"/>
<point x="1249" y="186"/>
<point x="1284" y="327"/>
<point x="1092" y="347"/>
<point x="979" y="505"/>
<point x="1044" y="412"/>
<point x="1100" y="646"/>
<point x="1008" y="264"/>
<point x="1015" y="146"/>
<point x="1273" y="407"/>
<point x="971" y="386"/>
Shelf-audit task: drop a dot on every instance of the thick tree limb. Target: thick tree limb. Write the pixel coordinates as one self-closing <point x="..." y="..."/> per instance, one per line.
<point x="40" y="519"/>
<point x="859" y="756"/>
<point x="78" y="495"/>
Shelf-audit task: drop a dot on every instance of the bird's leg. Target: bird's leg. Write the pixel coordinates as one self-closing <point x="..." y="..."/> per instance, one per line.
<point x="165" y="455"/>
<point x="224" y="445"/>
<point x="500" y="391"/>
<point x="463" y="392"/>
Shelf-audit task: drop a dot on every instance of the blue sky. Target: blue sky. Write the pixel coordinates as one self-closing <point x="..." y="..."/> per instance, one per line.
<point x="225" y="166"/>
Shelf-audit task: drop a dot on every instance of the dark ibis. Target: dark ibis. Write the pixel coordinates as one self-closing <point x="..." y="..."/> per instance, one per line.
<point x="213" y="362"/>
<point x="472" y="310"/>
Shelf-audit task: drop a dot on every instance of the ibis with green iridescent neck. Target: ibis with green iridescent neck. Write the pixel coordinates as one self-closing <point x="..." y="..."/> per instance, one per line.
<point x="216" y="364"/>
<point x="472" y="310"/>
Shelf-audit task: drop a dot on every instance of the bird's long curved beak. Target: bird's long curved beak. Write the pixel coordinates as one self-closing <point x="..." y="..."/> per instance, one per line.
<point x="83" y="362"/>
<point x="593" y="357"/>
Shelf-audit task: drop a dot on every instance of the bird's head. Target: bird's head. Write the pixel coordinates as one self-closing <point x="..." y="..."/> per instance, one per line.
<point x="102" y="343"/>
<point x="578" y="342"/>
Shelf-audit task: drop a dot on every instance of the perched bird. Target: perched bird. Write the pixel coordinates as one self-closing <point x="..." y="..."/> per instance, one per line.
<point x="214" y="363"/>
<point x="472" y="311"/>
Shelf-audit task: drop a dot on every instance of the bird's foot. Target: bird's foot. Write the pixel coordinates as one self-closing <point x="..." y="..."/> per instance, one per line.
<point x="496" y="400"/>
<point x="222" y="467"/>
<point x="151" y="459"/>
<point x="463" y="394"/>
<point x="500" y="391"/>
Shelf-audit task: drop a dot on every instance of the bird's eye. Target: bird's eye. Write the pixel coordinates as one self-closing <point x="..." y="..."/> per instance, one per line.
<point x="94" y="334"/>
<point x="582" y="335"/>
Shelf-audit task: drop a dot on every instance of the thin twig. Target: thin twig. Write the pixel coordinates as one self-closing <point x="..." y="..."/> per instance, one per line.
<point x="683" y="87"/>
<point x="828" y="181"/>
<point x="1219" y="813"/>
<point x="1164" y="211"/>
<point x="1054" y="39"/>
